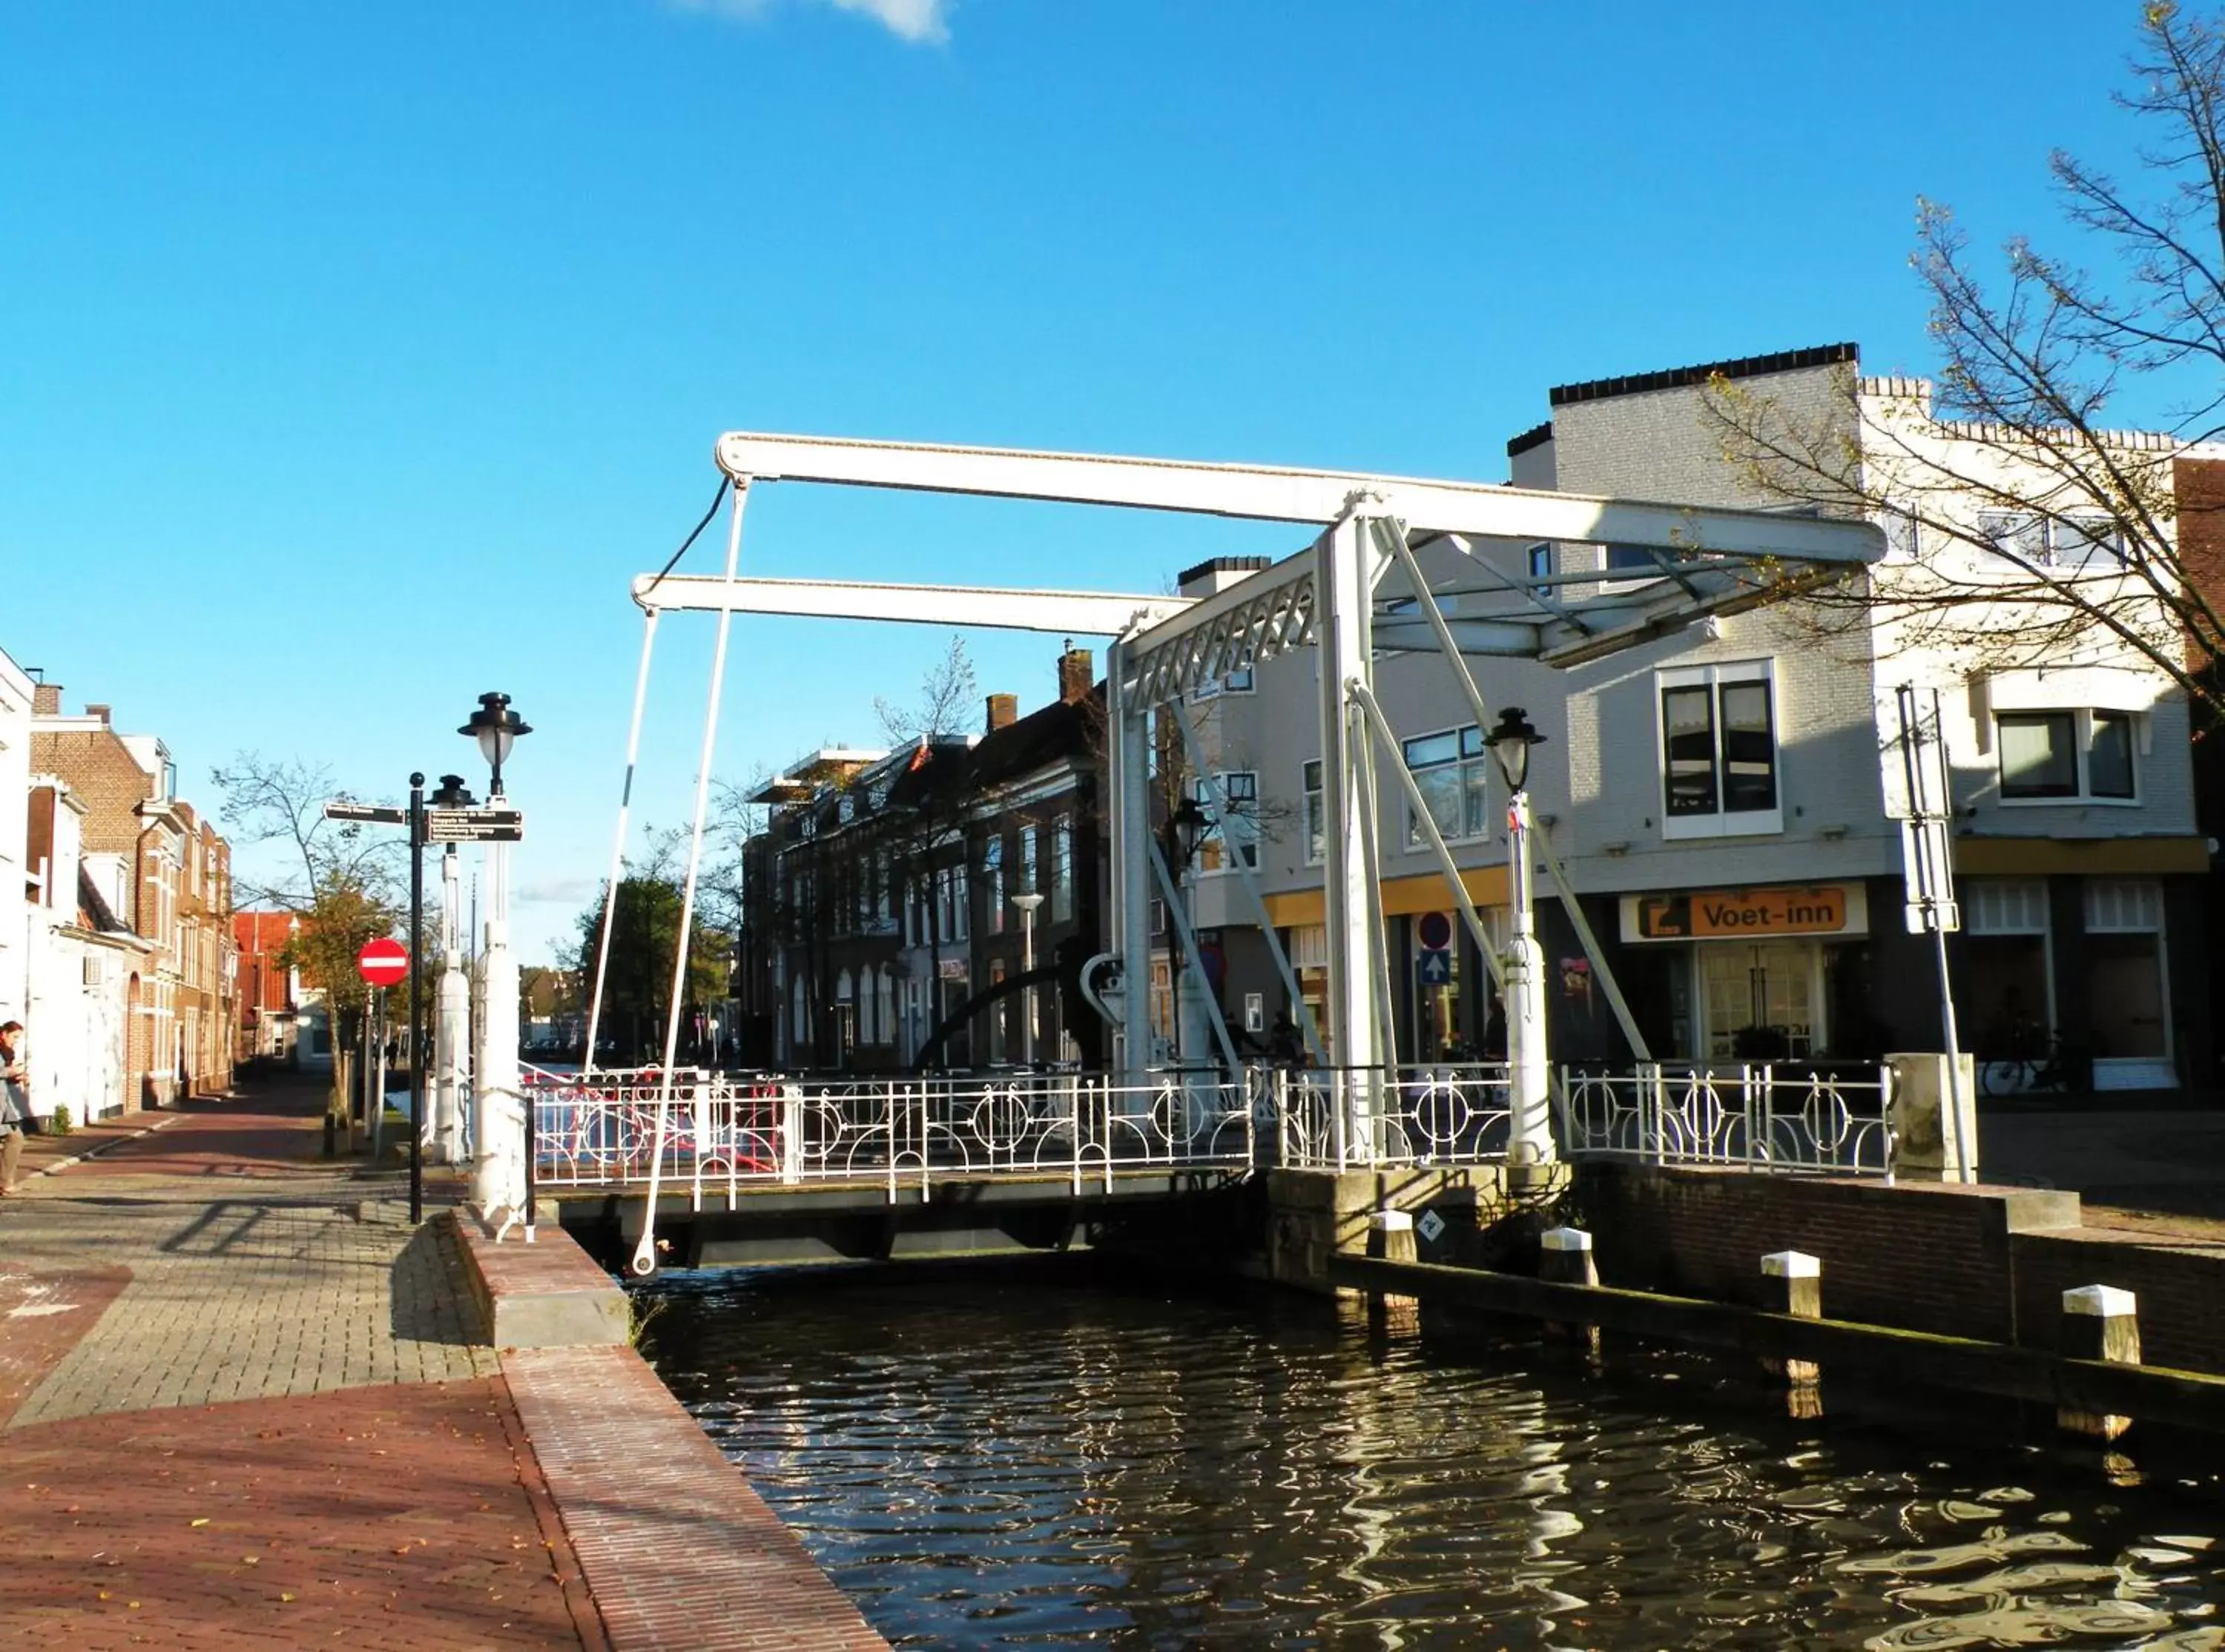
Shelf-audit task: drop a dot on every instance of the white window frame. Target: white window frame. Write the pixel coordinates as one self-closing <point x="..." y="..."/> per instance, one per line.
<point x="1237" y="838"/>
<point x="2082" y="750"/>
<point x="1468" y="770"/>
<point x="2068" y="539"/>
<point x="1741" y="823"/>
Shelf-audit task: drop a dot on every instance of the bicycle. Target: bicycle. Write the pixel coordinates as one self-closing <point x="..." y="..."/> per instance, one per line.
<point x="2024" y="1075"/>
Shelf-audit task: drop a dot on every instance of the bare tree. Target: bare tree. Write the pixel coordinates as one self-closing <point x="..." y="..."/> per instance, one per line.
<point x="945" y="702"/>
<point x="282" y="801"/>
<point x="2079" y="524"/>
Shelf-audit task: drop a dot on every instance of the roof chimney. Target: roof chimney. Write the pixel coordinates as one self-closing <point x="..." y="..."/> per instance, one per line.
<point x="1004" y="711"/>
<point x="100" y="712"/>
<point x="46" y="699"/>
<point x="1077" y="673"/>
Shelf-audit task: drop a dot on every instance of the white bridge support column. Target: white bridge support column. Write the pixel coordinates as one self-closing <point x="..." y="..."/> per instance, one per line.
<point x="452" y="1019"/>
<point x="1351" y="886"/>
<point x="1128" y="732"/>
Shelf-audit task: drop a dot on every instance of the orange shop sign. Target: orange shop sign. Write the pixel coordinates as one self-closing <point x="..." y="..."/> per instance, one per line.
<point x="1738" y="914"/>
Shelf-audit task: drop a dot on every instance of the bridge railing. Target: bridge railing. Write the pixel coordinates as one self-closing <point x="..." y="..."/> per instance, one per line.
<point x="1755" y="1115"/>
<point x="1339" y="1118"/>
<point x="710" y="1131"/>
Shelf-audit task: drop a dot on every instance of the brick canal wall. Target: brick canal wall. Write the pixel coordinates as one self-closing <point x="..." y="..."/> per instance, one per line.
<point x="1989" y="1263"/>
<point x="676" y="1549"/>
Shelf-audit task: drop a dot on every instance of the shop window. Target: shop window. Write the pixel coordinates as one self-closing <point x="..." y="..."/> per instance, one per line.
<point x="2067" y="756"/>
<point x="1453" y="769"/>
<point x="1718" y="756"/>
<point x="2008" y="1002"/>
<point x="2125" y="969"/>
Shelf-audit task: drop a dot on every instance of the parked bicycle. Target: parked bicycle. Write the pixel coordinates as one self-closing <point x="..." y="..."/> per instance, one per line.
<point x="2041" y="1065"/>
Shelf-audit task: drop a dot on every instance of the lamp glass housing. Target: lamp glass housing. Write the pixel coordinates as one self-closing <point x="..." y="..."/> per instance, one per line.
<point x="1509" y="743"/>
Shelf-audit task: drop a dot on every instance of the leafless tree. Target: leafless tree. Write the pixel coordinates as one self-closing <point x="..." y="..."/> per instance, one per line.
<point x="945" y="702"/>
<point x="281" y="800"/>
<point x="2029" y="372"/>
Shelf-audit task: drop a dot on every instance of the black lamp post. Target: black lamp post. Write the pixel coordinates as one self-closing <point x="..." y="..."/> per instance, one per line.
<point x="1185" y="830"/>
<point x="1509" y="743"/>
<point x="497" y="728"/>
<point x="452" y="795"/>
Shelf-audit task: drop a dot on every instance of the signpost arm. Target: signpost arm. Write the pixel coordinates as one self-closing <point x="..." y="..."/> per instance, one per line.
<point x="416" y="999"/>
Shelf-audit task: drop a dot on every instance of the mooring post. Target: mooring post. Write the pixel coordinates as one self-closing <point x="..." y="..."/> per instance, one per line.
<point x="2099" y="1322"/>
<point x="1566" y="1257"/>
<point x="1391" y="1235"/>
<point x="1792" y="1283"/>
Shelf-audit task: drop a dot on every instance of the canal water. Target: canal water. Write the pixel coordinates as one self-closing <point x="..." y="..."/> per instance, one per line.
<point x="1032" y="1457"/>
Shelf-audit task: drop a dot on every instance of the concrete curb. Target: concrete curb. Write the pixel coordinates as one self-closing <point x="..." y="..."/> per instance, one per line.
<point x="92" y="1153"/>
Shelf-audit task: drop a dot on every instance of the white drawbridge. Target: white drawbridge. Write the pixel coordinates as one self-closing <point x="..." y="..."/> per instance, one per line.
<point x="1356" y="593"/>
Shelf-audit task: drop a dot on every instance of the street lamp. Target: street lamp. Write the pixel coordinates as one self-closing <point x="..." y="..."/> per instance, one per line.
<point x="502" y="1177"/>
<point x="1182" y="835"/>
<point x="1028" y="904"/>
<point x="497" y="728"/>
<point x="452" y="999"/>
<point x="1531" y="1135"/>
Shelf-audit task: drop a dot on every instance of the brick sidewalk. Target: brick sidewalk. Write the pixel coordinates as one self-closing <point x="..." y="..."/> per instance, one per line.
<point x="398" y="1517"/>
<point x="284" y="1369"/>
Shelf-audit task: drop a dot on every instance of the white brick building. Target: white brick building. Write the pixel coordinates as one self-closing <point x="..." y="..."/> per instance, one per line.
<point x="1720" y="797"/>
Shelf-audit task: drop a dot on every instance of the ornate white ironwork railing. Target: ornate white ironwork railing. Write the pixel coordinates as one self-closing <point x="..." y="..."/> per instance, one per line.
<point x="1760" y="1115"/>
<point x="1339" y="1118"/>
<point x="723" y="1132"/>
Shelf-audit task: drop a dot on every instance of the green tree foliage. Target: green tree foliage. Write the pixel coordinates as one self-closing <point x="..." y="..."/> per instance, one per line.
<point x="341" y="915"/>
<point x="645" y="939"/>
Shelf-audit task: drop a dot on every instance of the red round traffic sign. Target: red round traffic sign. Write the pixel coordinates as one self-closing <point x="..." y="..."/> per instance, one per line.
<point x="382" y="962"/>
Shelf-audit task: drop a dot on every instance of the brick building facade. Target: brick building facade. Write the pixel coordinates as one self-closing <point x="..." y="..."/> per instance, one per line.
<point x="164" y="871"/>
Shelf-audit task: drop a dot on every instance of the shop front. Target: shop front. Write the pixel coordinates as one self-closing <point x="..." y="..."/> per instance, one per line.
<point x="1751" y="973"/>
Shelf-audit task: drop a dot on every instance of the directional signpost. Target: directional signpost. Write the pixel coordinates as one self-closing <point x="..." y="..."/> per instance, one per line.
<point x="490" y="823"/>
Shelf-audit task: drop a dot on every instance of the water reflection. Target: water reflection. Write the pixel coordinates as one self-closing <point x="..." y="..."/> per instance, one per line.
<point x="1016" y="1462"/>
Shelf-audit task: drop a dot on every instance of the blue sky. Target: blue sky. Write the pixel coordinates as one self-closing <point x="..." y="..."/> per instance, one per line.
<point x="353" y="358"/>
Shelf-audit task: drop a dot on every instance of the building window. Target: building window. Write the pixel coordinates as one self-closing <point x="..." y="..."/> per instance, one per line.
<point x="1061" y="870"/>
<point x="1232" y="840"/>
<point x="1029" y="883"/>
<point x="1236" y="682"/>
<point x="993" y="880"/>
<point x="1541" y="562"/>
<point x="2070" y="540"/>
<point x="1718" y="751"/>
<point x="1453" y="770"/>
<point x="2067" y="756"/>
<point x="1631" y="559"/>
<point x="1316" y="821"/>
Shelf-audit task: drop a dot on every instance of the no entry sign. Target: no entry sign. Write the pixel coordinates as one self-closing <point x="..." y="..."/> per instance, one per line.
<point x="382" y="963"/>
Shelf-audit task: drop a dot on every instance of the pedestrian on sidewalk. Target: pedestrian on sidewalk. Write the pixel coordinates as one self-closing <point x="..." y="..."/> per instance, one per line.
<point x="14" y="1103"/>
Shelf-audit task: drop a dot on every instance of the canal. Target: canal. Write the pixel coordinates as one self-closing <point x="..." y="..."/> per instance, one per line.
<point x="1038" y="1456"/>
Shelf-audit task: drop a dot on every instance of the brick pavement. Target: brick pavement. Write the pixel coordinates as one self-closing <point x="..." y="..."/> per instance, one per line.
<point x="376" y="1517"/>
<point x="677" y="1549"/>
<point x="283" y="1431"/>
<point x="284" y="1369"/>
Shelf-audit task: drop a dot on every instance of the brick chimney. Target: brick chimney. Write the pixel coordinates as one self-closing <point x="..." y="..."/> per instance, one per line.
<point x="100" y="712"/>
<point x="1004" y="711"/>
<point x="1077" y="673"/>
<point x="46" y="699"/>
